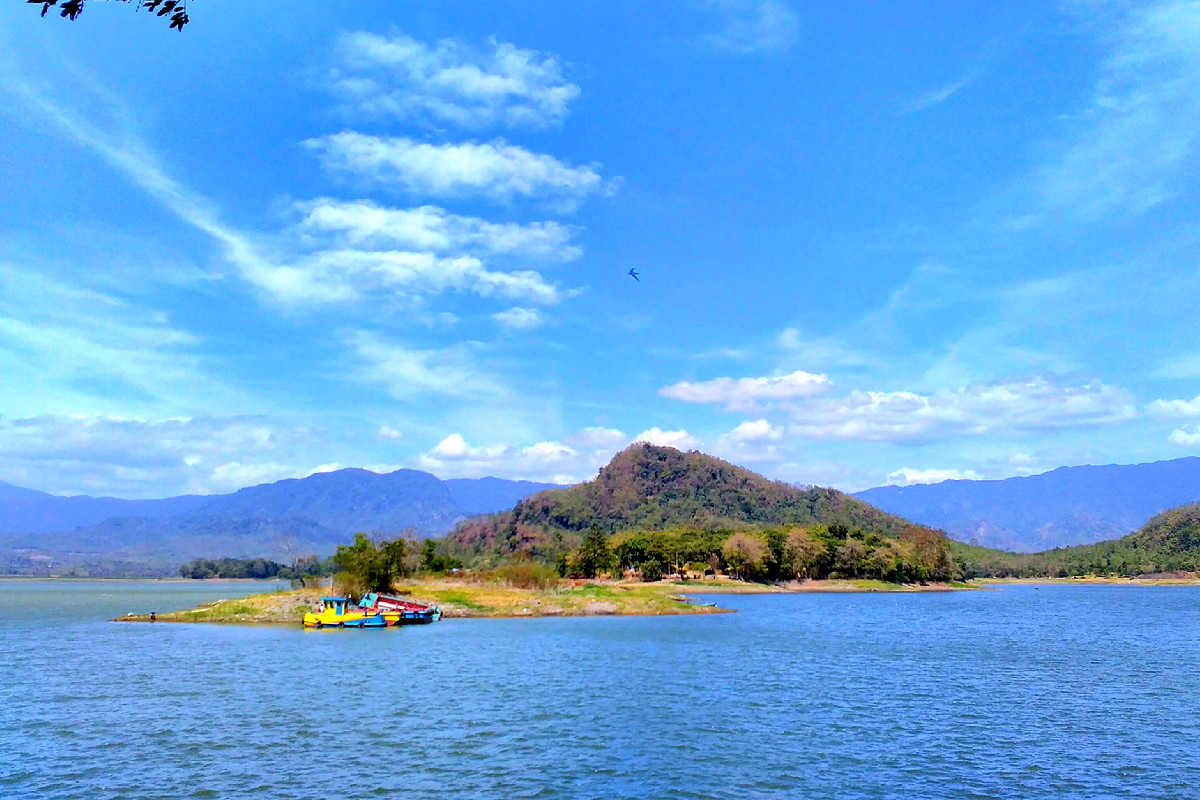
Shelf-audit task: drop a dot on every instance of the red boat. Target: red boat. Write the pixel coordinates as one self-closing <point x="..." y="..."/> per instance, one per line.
<point x="404" y="612"/>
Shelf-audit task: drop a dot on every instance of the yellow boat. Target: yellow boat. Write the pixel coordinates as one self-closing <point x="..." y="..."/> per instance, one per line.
<point x="338" y="612"/>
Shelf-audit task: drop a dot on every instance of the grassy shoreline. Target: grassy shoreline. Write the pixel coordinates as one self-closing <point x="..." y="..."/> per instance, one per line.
<point x="465" y="599"/>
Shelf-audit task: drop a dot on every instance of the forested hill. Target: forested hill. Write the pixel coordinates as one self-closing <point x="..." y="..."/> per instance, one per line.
<point x="647" y="487"/>
<point x="1169" y="542"/>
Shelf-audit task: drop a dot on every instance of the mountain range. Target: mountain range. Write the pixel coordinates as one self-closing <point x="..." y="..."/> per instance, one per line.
<point x="277" y="520"/>
<point x="1060" y="508"/>
<point x="1067" y="506"/>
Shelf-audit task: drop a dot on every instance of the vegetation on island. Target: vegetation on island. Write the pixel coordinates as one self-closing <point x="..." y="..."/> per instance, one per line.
<point x="656" y="511"/>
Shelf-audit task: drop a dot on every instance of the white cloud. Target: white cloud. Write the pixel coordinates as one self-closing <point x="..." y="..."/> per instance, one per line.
<point x="344" y="271"/>
<point x="552" y="462"/>
<point x="1037" y="403"/>
<point x="345" y="275"/>
<point x="754" y="26"/>
<point x="1189" y="437"/>
<point x="519" y="318"/>
<point x="451" y="82"/>
<point x="390" y="433"/>
<point x="680" y="439"/>
<point x="608" y="438"/>
<point x="362" y="224"/>
<point x="907" y="476"/>
<point x="739" y="394"/>
<point x="751" y="441"/>
<point x="130" y="456"/>
<point x="1175" y="408"/>
<point x="495" y="170"/>
<point x="755" y="431"/>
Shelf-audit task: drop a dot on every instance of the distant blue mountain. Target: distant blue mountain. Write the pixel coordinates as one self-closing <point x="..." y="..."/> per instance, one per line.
<point x="277" y="520"/>
<point x="1063" y="507"/>
<point x="30" y="510"/>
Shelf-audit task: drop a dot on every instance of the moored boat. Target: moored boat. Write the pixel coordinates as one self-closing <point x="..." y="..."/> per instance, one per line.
<point x="398" y="611"/>
<point x="372" y="611"/>
<point x="339" y="612"/>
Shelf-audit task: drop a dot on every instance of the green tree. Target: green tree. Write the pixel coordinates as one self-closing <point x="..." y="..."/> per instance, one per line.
<point x="593" y="556"/>
<point x="368" y="567"/>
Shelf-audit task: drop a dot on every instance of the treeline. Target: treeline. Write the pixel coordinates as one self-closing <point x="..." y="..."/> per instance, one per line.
<point x="766" y="554"/>
<point x="203" y="568"/>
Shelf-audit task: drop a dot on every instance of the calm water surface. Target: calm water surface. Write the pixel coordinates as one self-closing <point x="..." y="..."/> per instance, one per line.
<point x="1064" y="691"/>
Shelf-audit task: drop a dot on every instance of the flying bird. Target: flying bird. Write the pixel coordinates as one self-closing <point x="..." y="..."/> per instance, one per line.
<point x="633" y="275"/>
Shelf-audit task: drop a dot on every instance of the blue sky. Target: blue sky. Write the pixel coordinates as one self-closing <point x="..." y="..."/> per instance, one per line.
<point x="921" y="242"/>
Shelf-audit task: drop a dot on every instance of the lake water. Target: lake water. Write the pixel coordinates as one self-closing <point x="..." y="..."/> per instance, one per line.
<point x="1063" y="691"/>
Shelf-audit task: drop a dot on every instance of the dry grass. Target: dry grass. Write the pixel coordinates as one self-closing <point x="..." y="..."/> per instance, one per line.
<point x="459" y="598"/>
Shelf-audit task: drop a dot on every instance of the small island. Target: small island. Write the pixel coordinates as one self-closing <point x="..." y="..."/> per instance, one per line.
<point x="461" y="598"/>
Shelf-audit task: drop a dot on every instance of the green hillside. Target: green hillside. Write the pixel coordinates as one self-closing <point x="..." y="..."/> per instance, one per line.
<point x="659" y="504"/>
<point x="1169" y="542"/>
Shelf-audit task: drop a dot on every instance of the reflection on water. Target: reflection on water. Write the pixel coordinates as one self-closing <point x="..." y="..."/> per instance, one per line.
<point x="1028" y="692"/>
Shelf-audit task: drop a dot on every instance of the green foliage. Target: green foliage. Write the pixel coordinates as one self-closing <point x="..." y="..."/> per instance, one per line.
<point x="434" y="561"/>
<point x="367" y="566"/>
<point x="592" y="557"/>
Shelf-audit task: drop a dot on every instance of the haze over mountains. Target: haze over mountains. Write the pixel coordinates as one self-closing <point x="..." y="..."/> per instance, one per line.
<point x="278" y="520"/>
<point x="1067" y="506"/>
<point x="1063" y="507"/>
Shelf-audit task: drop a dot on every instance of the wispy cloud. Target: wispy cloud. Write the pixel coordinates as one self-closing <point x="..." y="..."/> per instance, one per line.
<point x="147" y="457"/>
<point x="495" y="170"/>
<point x="85" y="349"/>
<point x="1127" y="150"/>
<point x="741" y="394"/>
<point x="408" y="372"/>
<point x="942" y="94"/>
<point x="340" y="265"/>
<point x="451" y="82"/>
<point x="753" y="26"/>
<point x="1038" y="403"/>
<point x="366" y="224"/>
